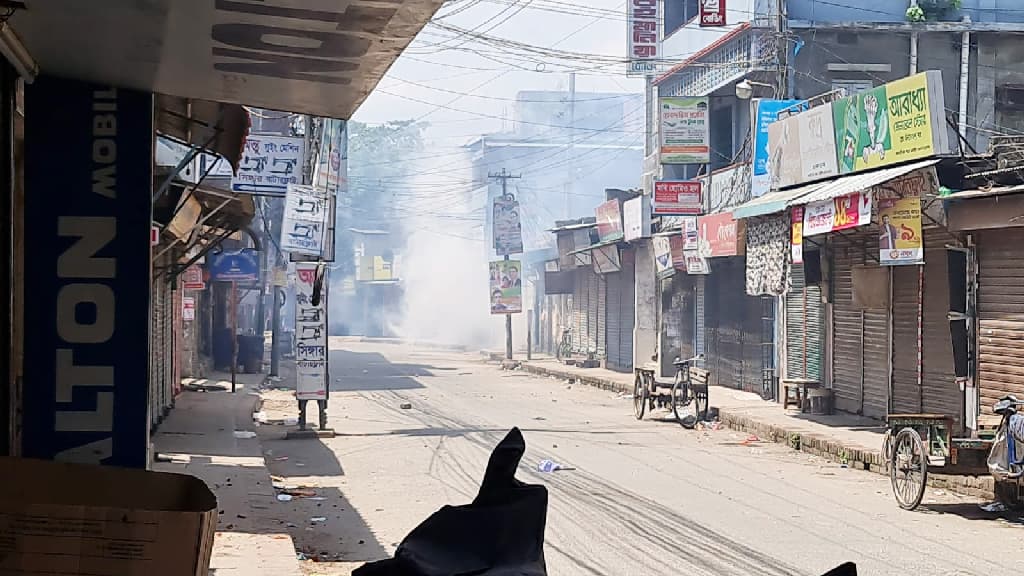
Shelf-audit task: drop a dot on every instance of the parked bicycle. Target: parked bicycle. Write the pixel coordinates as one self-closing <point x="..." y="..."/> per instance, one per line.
<point x="564" y="349"/>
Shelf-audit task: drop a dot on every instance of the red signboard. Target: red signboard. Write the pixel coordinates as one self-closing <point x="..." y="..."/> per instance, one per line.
<point x="712" y="13"/>
<point x="677" y="197"/>
<point x="678" y="259"/>
<point x="192" y="278"/>
<point x="154" y="235"/>
<point x="720" y="235"/>
<point x="609" y="221"/>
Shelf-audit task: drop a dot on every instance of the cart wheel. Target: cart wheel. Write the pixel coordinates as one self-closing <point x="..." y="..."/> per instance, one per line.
<point x="639" y="395"/>
<point x="908" y="468"/>
<point x="680" y="401"/>
<point x="887" y="450"/>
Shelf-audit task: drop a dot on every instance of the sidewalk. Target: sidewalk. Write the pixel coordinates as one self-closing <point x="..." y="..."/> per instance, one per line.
<point x="846" y="438"/>
<point x="199" y="438"/>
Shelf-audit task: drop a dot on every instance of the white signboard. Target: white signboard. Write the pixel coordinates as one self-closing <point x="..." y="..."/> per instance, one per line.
<point x="690" y="233"/>
<point x="809" y="136"/>
<point x="310" y="335"/>
<point x="636" y="217"/>
<point x="304" y="228"/>
<point x="643" y="36"/>
<point x="188" y="308"/>
<point x="269" y="164"/>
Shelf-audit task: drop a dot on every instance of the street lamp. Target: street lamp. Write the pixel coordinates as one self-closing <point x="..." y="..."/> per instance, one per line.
<point x="745" y="88"/>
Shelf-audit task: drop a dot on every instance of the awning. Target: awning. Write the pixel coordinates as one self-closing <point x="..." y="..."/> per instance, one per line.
<point x="773" y="202"/>
<point x="593" y="247"/>
<point x="859" y="182"/>
<point x="210" y="126"/>
<point x="984" y="192"/>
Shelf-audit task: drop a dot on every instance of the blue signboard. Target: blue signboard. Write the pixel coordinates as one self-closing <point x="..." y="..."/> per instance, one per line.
<point x="237" y="266"/>
<point x="768" y="112"/>
<point x="87" y="302"/>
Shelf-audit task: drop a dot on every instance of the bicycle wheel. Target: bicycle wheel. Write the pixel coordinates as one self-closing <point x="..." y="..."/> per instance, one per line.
<point x="681" y="401"/>
<point x="908" y="470"/>
<point x="639" y="396"/>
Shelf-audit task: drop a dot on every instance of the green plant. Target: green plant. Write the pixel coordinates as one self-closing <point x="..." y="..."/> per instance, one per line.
<point x="915" y="14"/>
<point x="794" y="441"/>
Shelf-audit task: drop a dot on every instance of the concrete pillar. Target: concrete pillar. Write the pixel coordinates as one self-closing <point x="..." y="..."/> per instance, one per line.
<point x="645" y="328"/>
<point x="985" y="100"/>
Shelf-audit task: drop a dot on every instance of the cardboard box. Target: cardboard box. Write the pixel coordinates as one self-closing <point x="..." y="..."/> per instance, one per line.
<point x="69" y="520"/>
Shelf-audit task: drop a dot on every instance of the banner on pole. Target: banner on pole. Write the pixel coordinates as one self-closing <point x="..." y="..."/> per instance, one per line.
<point x="310" y="335"/>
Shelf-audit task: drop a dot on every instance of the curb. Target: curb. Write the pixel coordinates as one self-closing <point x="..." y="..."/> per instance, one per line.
<point x="818" y="445"/>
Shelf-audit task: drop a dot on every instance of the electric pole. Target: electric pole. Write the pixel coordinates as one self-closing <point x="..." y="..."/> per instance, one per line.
<point x="504" y="177"/>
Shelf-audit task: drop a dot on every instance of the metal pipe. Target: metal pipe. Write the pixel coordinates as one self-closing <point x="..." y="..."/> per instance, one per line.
<point x="913" y="53"/>
<point x="965" y="72"/>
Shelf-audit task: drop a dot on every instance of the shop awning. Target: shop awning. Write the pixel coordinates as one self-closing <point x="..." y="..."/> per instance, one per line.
<point x="859" y="182"/>
<point x="985" y="192"/>
<point x="593" y="247"/>
<point x="773" y="202"/>
<point x="209" y="126"/>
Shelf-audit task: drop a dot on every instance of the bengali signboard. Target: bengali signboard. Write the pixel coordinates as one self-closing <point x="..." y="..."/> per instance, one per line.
<point x="684" y="130"/>
<point x="893" y="123"/>
<point x="796" y="239"/>
<point x="506" y="287"/>
<point x="837" y="214"/>
<point x="802" y="148"/>
<point x="674" y="197"/>
<point x="192" y="279"/>
<point x="310" y="334"/>
<point x="766" y="112"/>
<point x="663" y="256"/>
<point x="643" y="36"/>
<point x="720" y="235"/>
<point x="508" y="231"/>
<point x="712" y="13"/>
<point x="899" y="231"/>
<point x="269" y="164"/>
<point x="691" y="239"/>
<point x="304" y="227"/>
<point x="188" y="308"/>
<point x="235" y="266"/>
<point x="609" y="221"/>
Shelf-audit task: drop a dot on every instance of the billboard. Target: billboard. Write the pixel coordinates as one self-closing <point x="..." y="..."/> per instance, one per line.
<point x="802" y="148"/>
<point x="765" y="112"/>
<point x="506" y="287"/>
<point x="269" y="164"/>
<point x="643" y="36"/>
<point x="684" y="129"/>
<point x="235" y="266"/>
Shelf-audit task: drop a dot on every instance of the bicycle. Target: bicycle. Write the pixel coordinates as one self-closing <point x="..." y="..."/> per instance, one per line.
<point x="688" y="388"/>
<point x="564" y="349"/>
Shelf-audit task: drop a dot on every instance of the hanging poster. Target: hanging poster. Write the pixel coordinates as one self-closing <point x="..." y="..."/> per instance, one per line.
<point x="304" y="227"/>
<point x="310" y="335"/>
<point x="675" y="243"/>
<point x="796" y="240"/>
<point x="899" y="232"/>
<point x="269" y="164"/>
<point x="695" y="263"/>
<point x="508" y="231"/>
<point x="691" y="239"/>
<point x="506" y="287"/>
<point x="684" y="130"/>
<point x="839" y="213"/>
<point x="663" y="257"/>
<point x="609" y="221"/>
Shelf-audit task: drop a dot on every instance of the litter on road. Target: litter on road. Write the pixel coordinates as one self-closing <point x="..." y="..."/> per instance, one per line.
<point x="405" y="406"/>
<point x="284" y="497"/>
<point x="318" y="519"/>
<point x="244" y="434"/>
<point x="549" y="466"/>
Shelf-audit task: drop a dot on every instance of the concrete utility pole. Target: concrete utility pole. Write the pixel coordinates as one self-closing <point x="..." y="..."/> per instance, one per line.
<point x="504" y="177"/>
<point x="570" y="186"/>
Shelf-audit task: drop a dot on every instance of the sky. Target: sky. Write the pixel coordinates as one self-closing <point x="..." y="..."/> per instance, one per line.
<point x="464" y="86"/>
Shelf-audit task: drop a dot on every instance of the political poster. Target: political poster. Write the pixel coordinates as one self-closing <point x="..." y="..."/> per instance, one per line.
<point x="506" y="287"/>
<point x="899" y="232"/>
<point x="508" y="230"/>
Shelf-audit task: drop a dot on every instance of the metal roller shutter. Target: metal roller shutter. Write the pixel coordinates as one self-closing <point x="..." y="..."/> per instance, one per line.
<point x="579" y="312"/>
<point x="877" y="355"/>
<point x="940" y="392"/>
<point x="627" y="309"/>
<point x="613" y="326"/>
<point x="906" y="307"/>
<point x="699" y="336"/>
<point x="1000" y="316"/>
<point x="803" y="328"/>
<point x="602" y="314"/>
<point x="677" y="320"/>
<point x="593" y="310"/>
<point x="727" y="308"/>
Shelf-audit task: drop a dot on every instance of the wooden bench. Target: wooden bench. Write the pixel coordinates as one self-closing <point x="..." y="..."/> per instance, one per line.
<point x="798" y="387"/>
<point x="699" y="385"/>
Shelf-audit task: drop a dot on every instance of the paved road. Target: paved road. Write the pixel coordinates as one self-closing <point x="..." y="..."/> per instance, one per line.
<point x="645" y="498"/>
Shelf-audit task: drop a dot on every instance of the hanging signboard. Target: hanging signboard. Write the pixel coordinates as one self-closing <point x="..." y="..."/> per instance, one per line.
<point x="303" y="229"/>
<point x="508" y="231"/>
<point x="896" y="122"/>
<point x="310" y="334"/>
<point x="899" y="231"/>
<point x="643" y="36"/>
<point x="675" y="197"/>
<point x="712" y="13"/>
<point x="802" y="148"/>
<point x="606" y="259"/>
<point x="636" y="218"/>
<point x="675" y="243"/>
<point x="506" y="287"/>
<point x="663" y="257"/>
<point x="192" y="279"/>
<point x="837" y="214"/>
<point x="691" y="239"/>
<point x="695" y="263"/>
<point x="269" y="164"/>
<point x="684" y="130"/>
<point x="609" y="221"/>
<point x="332" y="161"/>
<point x="720" y="235"/>
<point x="188" y="308"/>
<point x="235" y="266"/>
<point x="765" y="112"/>
<point x="796" y="240"/>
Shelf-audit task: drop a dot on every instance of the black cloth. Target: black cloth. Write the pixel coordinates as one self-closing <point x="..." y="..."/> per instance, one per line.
<point x="501" y="533"/>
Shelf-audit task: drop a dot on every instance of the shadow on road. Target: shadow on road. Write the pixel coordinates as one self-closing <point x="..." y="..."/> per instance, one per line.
<point x="371" y="372"/>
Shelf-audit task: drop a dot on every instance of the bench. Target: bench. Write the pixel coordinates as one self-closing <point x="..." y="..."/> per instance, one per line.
<point x="699" y="385"/>
<point x="794" y="391"/>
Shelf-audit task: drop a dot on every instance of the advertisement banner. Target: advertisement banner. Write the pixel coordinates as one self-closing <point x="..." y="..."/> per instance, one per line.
<point x="506" y="287"/>
<point x="304" y="227"/>
<point x="695" y="263"/>
<point x="675" y="243"/>
<point x="684" y="130"/>
<point x="890" y="124"/>
<point x="269" y="164"/>
<point x="508" y="231"/>
<point x="643" y="37"/>
<point x="636" y="218"/>
<point x="188" y="308"/>
<point x="235" y="266"/>
<point x="609" y="221"/>
<point x="675" y="197"/>
<point x="712" y="13"/>
<point x="310" y="334"/>
<point x="766" y="112"/>
<point x="899" y="232"/>
<point x="87" y="176"/>
<point x="837" y="214"/>
<point x="691" y="239"/>
<point x="192" y="279"/>
<point x="802" y="148"/>
<point x="796" y="240"/>
<point x="720" y="235"/>
<point x="663" y="257"/>
<point x="332" y="161"/>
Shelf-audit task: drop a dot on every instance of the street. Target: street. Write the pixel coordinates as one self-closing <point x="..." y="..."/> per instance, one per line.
<point x="644" y="497"/>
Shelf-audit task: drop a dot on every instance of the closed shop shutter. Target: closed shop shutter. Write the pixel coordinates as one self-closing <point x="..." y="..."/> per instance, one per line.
<point x="861" y="337"/>
<point x="1000" y="316"/>
<point x="613" y="325"/>
<point x="699" y="336"/>
<point x="579" y="312"/>
<point x="803" y="328"/>
<point x="593" y="310"/>
<point x="730" y="312"/>
<point x="602" y="314"/>
<point x="677" y="320"/>
<point x="627" y="310"/>
<point x="941" y="392"/>
<point x="906" y="389"/>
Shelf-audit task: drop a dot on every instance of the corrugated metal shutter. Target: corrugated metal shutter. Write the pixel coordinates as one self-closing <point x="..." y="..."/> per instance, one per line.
<point x="941" y="392"/>
<point x="1000" y="316"/>
<point x="677" y="320"/>
<point x="579" y="312"/>
<point x="627" y="309"/>
<point x="877" y="355"/>
<point x="699" y="337"/>
<point x="613" y="326"/>
<point x="906" y="307"/>
<point x="803" y="328"/>
<point x="593" y="310"/>
<point x="602" y="314"/>
<point x="727" y="309"/>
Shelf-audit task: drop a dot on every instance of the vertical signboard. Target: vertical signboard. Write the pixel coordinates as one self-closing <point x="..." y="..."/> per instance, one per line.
<point x="188" y="308"/>
<point x="310" y="334"/>
<point x="766" y="112"/>
<point x="899" y="231"/>
<point x="712" y="13"/>
<point x="304" y="227"/>
<point x="269" y="165"/>
<point x="87" y="308"/>
<point x="506" y="287"/>
<point x="796" y="238"/>
<point x="636" y="218"/>
<point x="643" y="36"/>
<point x="684" y="130"/>
<point x="508" y="230"/>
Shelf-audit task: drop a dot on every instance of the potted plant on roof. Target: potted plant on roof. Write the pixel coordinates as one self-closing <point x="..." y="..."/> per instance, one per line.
<point x="933" y="10"/>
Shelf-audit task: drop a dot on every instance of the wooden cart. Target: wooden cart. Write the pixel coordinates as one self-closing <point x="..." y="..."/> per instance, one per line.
<point x="686" y="396"/>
